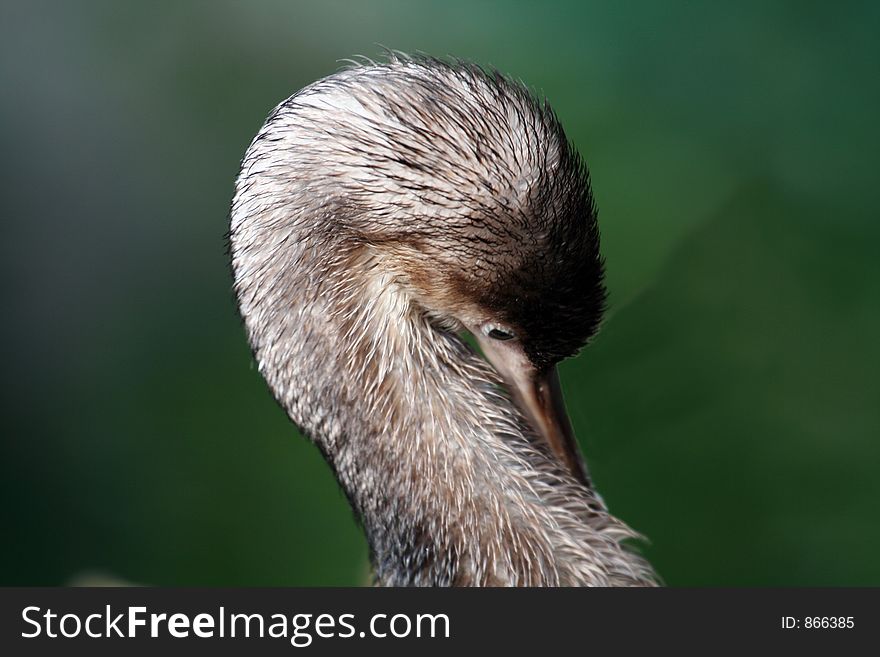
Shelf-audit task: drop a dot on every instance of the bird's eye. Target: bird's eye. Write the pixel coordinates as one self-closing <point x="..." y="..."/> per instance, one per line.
<point x="499" y="334"/>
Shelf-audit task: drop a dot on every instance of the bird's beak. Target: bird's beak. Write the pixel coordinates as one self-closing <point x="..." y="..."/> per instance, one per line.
<point x="539" y="396"/>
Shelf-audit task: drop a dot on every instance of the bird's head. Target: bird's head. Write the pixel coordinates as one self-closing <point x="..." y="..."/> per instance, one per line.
<point x="464" y="185"/>
<point x="484" y="210"/>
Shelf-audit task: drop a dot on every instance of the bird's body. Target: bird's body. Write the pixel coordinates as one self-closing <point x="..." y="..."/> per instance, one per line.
<point x="380" y="212"/>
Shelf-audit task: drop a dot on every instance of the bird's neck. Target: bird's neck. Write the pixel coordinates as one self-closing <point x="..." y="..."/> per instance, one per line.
<point x="451" y="485"/>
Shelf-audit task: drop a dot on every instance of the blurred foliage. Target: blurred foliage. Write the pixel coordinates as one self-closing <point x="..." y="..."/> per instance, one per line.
<point x="729" y="409"/>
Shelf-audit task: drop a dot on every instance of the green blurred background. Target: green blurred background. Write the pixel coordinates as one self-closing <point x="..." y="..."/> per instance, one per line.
<point x="730" y="408"/>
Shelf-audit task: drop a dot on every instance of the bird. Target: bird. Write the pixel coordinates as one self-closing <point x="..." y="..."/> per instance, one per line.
<point x="414" y="246"/>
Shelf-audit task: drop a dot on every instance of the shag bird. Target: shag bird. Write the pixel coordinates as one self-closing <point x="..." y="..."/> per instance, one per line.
<point x="381" y="214"/>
